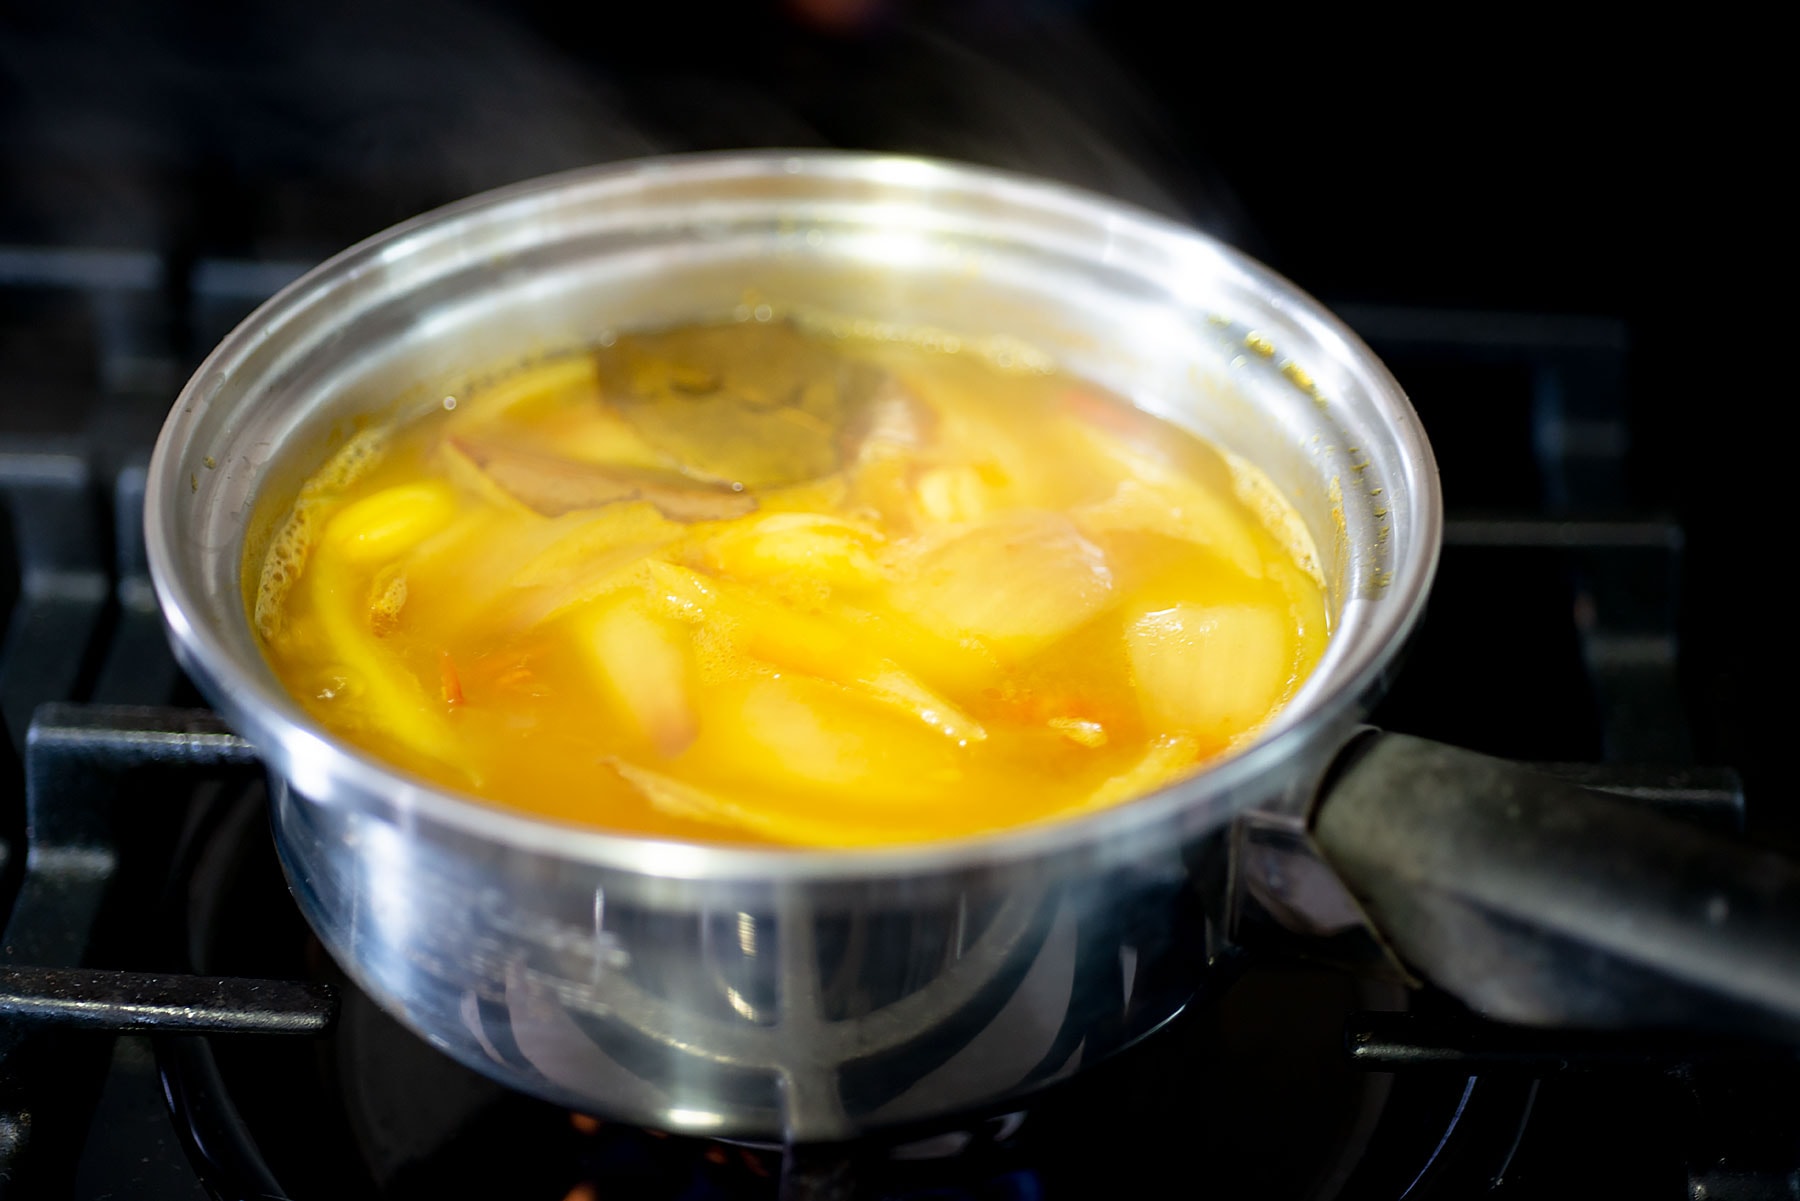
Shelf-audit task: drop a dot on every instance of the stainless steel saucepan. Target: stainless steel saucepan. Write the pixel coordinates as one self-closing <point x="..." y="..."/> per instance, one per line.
<point x="811" y="995"/>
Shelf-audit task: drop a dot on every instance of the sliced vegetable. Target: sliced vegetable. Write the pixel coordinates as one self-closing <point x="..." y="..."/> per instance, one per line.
<point x="1015" y="584"/>
<point x="644" y="667"/>
<point x="1154" y="497"/>
<point x="1176" y="510"/>
<point x="1212" y="670"/>
<point x="825" y="494"/>
<point x="950" y="665"/>
<point x="456" y="577"/>
<point x="833" y="550"/>
<point x="825" y="591"/>
<point x="776" y="634"/>
<point x="293" y="542"/>
<point x="794" y="733"/>
<point x="600" y="555"/>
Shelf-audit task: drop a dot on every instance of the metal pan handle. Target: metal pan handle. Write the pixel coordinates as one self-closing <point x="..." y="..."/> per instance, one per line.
<point x="1537" y="902"/>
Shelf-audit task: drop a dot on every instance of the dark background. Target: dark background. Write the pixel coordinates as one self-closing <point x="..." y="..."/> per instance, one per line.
<point x="1499" y="162"/>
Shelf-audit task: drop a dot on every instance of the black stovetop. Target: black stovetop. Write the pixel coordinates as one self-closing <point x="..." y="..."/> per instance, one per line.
<point x="164" y="170"/>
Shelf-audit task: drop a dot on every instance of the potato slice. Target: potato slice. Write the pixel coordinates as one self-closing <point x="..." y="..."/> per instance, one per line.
<point x="786" y="638"/>
<point x="1015" y="584"/>
<point x="833" y="550"/>
<point x="1215" y="671"/>
<point x="792" y="733"/>
<point x="644" y="668"/>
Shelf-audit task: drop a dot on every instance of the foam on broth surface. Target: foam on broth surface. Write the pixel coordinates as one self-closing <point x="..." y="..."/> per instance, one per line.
<point x="742" y="583"/>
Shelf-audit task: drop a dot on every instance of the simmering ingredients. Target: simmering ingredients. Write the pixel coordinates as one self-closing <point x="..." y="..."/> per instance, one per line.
<point x="751" y="583"/>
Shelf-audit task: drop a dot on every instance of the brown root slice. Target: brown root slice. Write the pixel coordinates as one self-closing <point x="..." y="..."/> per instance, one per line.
<point x="553" y="486"/>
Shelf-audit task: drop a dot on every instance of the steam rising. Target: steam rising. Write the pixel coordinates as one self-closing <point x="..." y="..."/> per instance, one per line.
<point x="290" y="129"/>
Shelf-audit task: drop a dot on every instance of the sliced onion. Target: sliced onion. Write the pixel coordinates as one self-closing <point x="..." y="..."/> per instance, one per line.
<point x="1216" y="671"/>
<point x="1015" y="584"/>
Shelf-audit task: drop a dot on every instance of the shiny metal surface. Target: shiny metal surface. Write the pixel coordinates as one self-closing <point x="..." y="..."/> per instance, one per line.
<point x="1282" y="898"/>
<point x="765" y="992"/>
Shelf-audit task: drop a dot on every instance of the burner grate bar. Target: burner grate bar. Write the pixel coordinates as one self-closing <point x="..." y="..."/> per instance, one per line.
<point x="1388" y="1042"/>
<point x="133" y="1002"/>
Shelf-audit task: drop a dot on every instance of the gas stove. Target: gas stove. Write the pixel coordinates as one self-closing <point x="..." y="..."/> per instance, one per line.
<point x="170" y="1029"/>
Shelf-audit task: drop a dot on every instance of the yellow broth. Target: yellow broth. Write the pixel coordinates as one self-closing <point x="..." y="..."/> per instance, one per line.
<point x="744" y="583"/>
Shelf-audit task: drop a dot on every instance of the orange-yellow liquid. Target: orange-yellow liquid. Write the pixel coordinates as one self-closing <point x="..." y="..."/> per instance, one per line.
<point x="744" y="584"/>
